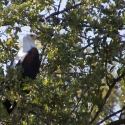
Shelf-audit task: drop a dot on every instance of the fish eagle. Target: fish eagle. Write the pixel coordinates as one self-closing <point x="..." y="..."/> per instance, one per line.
<point x="28" y="58"/>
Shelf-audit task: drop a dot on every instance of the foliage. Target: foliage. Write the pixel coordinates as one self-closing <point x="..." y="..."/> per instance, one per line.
<point x="81" y="79"/>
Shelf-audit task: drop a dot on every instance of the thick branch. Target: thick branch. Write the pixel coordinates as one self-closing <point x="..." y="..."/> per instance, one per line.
<point x="106" y="97"/>
<point x="118" y="122"/>
<point x="111" y="115"/>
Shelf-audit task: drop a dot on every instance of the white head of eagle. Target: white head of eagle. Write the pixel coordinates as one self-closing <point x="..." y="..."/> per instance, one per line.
<point x="28" y="57"/>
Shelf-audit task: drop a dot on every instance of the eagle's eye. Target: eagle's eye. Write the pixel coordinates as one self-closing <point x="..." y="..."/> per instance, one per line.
<point x="31" y="35"/>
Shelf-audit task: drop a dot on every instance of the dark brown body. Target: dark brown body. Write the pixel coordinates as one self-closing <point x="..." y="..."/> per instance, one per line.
<point x="30" y="63"/>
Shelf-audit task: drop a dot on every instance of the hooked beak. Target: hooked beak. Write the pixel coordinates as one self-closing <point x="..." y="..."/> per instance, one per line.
<point x="34" y="37"/>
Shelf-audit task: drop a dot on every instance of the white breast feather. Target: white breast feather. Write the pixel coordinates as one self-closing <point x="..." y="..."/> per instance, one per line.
<point x="27" y="44"/>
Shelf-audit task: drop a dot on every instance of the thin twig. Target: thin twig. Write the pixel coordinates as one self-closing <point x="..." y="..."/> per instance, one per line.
<point x="76" y="106"/>
<point x="59" y="5"/>
<point x="43" y="50"/>
<point x="62" y="11"/>
<point x="73" y="1"/>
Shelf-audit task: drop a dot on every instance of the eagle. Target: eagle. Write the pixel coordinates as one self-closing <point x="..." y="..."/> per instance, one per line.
<point x="28" y="58"/>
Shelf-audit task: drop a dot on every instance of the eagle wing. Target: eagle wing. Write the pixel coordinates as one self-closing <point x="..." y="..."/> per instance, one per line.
<point x="30" y="63"/>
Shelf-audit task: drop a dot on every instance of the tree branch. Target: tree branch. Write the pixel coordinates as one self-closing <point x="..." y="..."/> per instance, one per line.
<point x="76" y="106"/>
<point x="111" y="116"/>
<point x="118" y="122"/>
<point x="42" y="53"/>
<point x="59" y="12"/>
<point x="106" y="97"/>
<point x="59" y="5"/>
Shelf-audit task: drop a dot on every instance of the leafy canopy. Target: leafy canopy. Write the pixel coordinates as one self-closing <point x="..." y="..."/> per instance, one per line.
<point x="81" y="79"/>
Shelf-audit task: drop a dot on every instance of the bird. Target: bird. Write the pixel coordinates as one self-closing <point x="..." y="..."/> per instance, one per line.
<point x="28" y="58"/>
